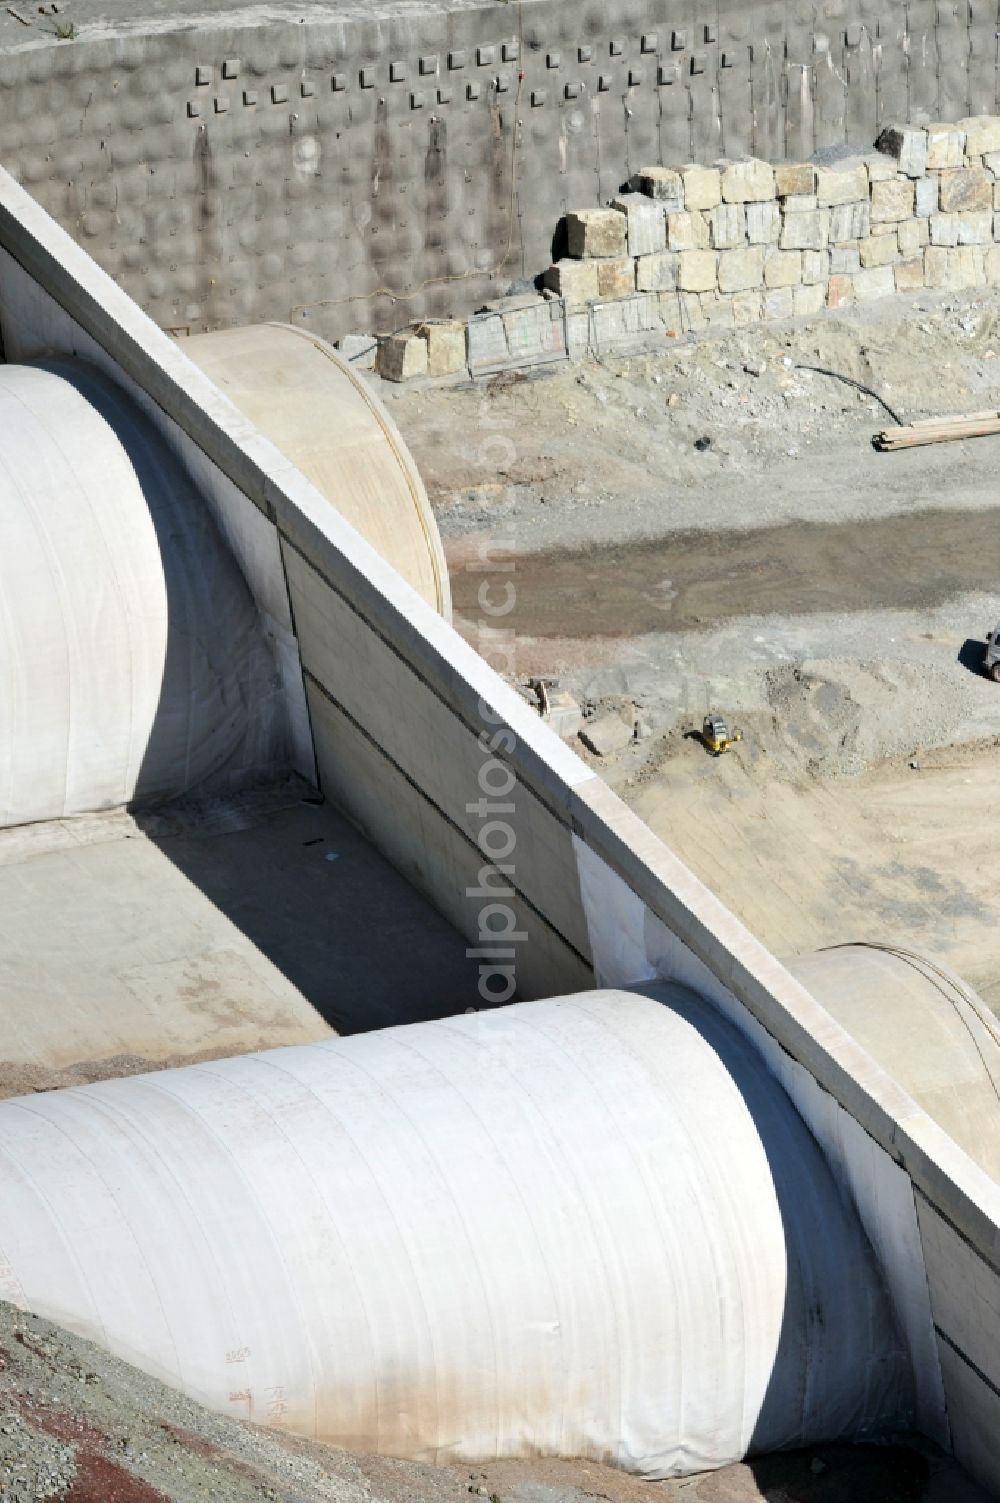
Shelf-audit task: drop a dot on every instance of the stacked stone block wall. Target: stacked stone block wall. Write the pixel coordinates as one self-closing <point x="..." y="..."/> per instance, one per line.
<point x="694" y="247"/>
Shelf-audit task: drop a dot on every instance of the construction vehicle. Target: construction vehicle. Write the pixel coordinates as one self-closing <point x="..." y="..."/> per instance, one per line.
<point x="716" y="735"/>
<point x="991" y="657"/>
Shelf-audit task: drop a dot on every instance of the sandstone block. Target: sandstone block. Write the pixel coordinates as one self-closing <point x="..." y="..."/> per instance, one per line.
<point x="907" y="145"/>
<point x="778" y="303"/>
<point x="595" y="232"/>
<point x="992" y="164"/>
<point x="936" y="266"/>
<point x="615" y="277"/>
<point x="656" y="273"/>
<point x="791" y="181"/>
<point x="850" y="221"/>
<point x="966" y="268"/>
<point x="943" y="229"/>
<point x="880" y="169"/>
<point x="815" y="266"/>
<point x="360" y="349"/>
<point x="845" y="260"/>
<point x="702" y="187"/>
<point x="697" y="270"/>
<point x="961" y="229"/>
<point x="883" y="251"/>
<point x="965" y="191"/>
<point x="845" y="185"/>
<point x="728" y="226"/>
<point x="926" y="196"/>
<point x="909" y="274"/>
<point x="533" y="330"/>
<point x="996" y="195"/>
<point x="913" y="235"/>
<point x="982" y="134"/>
<point x="808" y="301"/>
<point x="741" y="270"/>
<point x="486" y="342"/>
<point x="840" y="291"/>
<point x="445" y="347"/>
<point x="991" y="266"/>
<point x="874" y="283"/>
<point x="892" y="201"/>
<point x="687" y="231"/>
<point x="975" y="229"/>
<point x="691" y="314"/>
<point x="749" y="182"/>
<point x="645" y="223"/>
<point x="574" y="281"/>
<point x="664" y="185"/>
<point x="747" y="308"/>
<point x="763" y="223"/>
<point x="800" y="203"/>
<point x="402" y="357"/>
<point x="577" y="334"/>
<point x="623" y="319"/>
<point x="782" y="268"/>
<point x="806" y="231"/>
<point x="945" y="147"/>
<point x="717" y="310"/>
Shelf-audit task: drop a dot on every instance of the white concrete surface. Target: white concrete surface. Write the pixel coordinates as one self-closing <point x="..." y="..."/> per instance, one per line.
<point x="590" y="1227"/>
<point x="133" y="662"/>
<point x="209" y="928"/>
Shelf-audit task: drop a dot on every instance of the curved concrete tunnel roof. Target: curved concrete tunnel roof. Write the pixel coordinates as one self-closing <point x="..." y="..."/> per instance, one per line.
<point x="593" y="1226"/>
<point x="929" y="1030"/>
<point x="328" y="421"/>
<point x="133" y="662"/>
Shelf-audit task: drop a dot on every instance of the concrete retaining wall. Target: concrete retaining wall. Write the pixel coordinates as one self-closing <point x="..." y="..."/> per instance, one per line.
<point x="406" y="160"/>
<point x="404" y="718"/>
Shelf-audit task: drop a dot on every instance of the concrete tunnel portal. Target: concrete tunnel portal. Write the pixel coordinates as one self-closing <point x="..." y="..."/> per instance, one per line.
<point x="594" y="1225"/>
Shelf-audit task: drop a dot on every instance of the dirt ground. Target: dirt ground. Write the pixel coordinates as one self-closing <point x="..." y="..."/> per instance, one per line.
<point x="707" y="527"/>
<point x="78" y="1426"/>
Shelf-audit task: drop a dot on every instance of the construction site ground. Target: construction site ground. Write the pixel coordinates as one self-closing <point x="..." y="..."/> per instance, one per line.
<point x="707" y="527"/>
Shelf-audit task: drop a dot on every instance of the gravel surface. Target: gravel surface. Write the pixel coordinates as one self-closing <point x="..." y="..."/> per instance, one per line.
<point x="81" y="1427"/>
<point x="601" y="452"/>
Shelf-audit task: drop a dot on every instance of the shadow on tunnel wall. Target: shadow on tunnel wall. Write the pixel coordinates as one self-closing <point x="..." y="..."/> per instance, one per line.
<point x="841" y="1370"/>
<point x="216" y="795"/>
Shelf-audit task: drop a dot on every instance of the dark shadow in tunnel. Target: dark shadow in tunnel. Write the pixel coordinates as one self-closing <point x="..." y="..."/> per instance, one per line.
<point x="216" y="796"/>
<point x="841" y="1369"/>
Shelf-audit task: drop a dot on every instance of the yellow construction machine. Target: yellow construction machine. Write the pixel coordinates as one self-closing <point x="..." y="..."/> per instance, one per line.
<point x="716" y="735"/>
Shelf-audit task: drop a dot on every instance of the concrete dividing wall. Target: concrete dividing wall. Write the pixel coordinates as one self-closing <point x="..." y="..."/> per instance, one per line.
<point x="404" y="160"/>
<point x="405" y="717"/>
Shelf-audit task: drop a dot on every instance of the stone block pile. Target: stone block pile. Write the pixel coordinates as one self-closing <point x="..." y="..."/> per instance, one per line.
<point x="697" y="247"/>
<point x="742" y="241"/>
